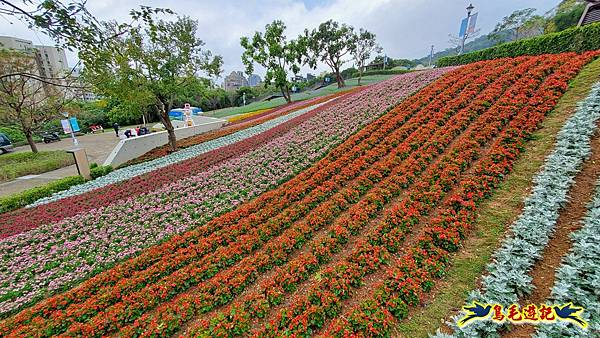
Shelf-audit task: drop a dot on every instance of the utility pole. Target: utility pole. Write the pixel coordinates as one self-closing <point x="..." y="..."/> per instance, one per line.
<point x="462" y="45"/>
<point x="431" y="56"/>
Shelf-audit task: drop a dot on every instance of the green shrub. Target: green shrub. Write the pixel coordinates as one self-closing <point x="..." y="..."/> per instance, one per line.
<point x="97" y="171"/>
<point x="27" y="197"/>
<point x="14" y="134"/>
<point x="382" y="72"/>
<point x="13" y="165"/>
<point x="577" y="39"/>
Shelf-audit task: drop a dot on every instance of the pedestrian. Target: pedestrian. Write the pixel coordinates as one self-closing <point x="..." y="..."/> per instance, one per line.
<point x="116" y="128"/>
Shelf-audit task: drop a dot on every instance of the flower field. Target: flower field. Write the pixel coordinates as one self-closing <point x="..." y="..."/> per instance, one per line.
<point x="57" y="255"/>
<point x="374" y="102"/>
<point x="344" y="216"/>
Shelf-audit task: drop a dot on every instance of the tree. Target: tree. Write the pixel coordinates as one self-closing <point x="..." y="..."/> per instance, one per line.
<point x="330" y="43"/>
<point x="565" y="15"/>
<point x="24" y="102"/>
<point x="364" y="47"/>
<point x="275" y="53"/>
<point x="152" y="60"/>
<point x="70" y="25"/>
<point x="532" y="27"/>
<point x="513" y="23"/>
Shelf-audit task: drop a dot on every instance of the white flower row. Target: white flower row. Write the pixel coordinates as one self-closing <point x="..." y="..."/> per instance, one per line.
<point x="184" y="154"/>
<point x="508" y="279"/>
<point x="578" y="278"/>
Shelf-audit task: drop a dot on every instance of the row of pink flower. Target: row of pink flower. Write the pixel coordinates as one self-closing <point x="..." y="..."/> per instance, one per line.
<point x="56" y="256"/>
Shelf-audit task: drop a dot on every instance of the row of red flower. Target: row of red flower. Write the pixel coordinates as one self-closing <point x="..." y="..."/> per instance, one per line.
<point x="415" y="272"/>
<point x="48" y="308"/>
<point x="311" y="310"/>
<point x="28" y="218"/>
<point x="383" y="236"/>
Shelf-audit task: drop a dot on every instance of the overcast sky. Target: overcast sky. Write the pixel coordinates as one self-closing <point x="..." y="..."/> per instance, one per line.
<point x="405" y="28"/>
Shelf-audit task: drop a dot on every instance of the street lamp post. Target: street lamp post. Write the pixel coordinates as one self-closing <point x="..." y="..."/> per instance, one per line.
<point x="462" y="45"/>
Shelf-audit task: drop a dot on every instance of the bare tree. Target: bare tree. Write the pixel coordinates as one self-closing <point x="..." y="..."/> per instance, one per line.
<point x="26" y="102"/>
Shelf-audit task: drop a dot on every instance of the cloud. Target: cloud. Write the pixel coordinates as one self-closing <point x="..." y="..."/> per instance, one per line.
<point x="405" y="28"/>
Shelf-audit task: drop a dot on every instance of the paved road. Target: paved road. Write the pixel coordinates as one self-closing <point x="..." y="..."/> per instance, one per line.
<point x="97" y="147"/>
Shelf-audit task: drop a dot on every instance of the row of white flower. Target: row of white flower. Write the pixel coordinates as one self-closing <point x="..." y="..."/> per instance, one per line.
<point x="578" y="278"/>
<point x="507" y="278"/>
<point x="184" y="154"/>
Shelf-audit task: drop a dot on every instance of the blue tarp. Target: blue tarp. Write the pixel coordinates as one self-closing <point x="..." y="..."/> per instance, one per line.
<point x="177" y="113"/>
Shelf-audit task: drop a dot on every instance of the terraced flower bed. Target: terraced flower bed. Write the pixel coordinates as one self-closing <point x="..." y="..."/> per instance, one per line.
<point x="342" y="248"/>
<point x="62" y="253"/>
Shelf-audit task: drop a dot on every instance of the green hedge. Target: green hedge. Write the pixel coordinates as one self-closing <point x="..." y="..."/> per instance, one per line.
<point x="576" y="39"/>
<point x="382" y="72"/>
<point x="27" y="197"/>
<point x="99" y="170"/>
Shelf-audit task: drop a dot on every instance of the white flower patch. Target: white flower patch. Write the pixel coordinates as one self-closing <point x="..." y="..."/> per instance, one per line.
<point x="578" y="278"/>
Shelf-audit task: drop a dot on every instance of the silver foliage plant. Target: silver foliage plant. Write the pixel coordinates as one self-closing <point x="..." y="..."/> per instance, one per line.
<point x="578" y="278"/>
<point x="507" y="277"/>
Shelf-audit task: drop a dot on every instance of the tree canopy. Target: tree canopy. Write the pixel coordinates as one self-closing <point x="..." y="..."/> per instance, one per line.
<point x="26" y="103"/>
<point x="364" y="47"/>
<point x="150" y="63"/>
<point x="330" y="43"/>
<point x="273" y="51"/>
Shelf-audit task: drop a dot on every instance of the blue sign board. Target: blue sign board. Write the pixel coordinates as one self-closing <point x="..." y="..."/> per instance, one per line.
<point x="74" y="124"/>
<point x="463" y="27"/>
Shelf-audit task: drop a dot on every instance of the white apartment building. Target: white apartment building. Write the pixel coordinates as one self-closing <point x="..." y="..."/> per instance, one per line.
<point x="52" y="61"/>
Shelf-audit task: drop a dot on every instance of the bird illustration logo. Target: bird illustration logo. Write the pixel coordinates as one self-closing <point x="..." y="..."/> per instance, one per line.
<point x="475" y="311"/>
<point x="570" y="313"/>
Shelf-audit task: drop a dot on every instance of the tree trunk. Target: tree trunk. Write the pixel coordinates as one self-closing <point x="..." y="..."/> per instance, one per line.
<point x="285" y="91"/>
<point x="30" y="141"/>
<point x="340" y="78"/>
<point x="166" y="121"/>
<point x="359" y="76"/>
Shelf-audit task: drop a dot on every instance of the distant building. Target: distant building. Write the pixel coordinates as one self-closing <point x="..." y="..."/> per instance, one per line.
<point x="591" y="13"/>
<point x="51" y="61"/>
<point x="8" y="42"/>
<point x="298" y="78"/>
<point x="254" y="80"/>
<point x="309" y="77"/>
<point x="235" y="81"/>
<point x="82" y="93"/>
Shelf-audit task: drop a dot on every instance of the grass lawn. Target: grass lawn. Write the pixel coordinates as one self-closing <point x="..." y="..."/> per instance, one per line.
<point x="495" y="215"/>
<point x="332" y="88"/>
<point x="14" y="165"/>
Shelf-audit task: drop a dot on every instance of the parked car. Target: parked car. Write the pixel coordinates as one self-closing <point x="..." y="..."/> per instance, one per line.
<point x="5" y="144"/>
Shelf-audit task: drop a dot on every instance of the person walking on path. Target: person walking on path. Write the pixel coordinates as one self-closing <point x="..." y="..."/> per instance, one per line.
<point x="116" y="128"/>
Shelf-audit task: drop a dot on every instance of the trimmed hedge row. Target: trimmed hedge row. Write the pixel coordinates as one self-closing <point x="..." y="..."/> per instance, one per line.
<point x="576" y="39"/>
<point x="26" y="197"/>
<point x="382" y="72"/>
